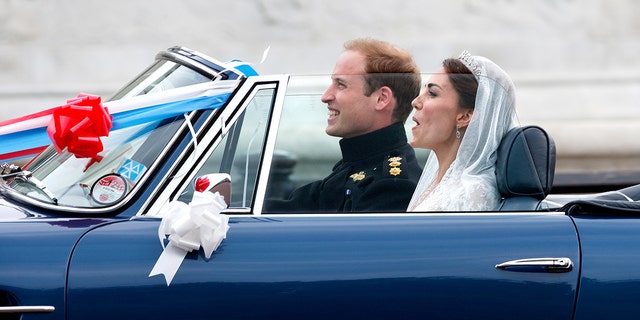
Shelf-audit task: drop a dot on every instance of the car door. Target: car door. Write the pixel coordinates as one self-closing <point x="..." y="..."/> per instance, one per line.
<point x="294" y="266"/>
<point x="372" y="266"/>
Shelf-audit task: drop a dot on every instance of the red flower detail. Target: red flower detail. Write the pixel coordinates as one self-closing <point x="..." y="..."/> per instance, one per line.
<point x="202" y="184"/>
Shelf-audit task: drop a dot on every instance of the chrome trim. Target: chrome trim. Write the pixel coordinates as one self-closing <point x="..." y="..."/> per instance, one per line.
<point x="550" y="264"/>
<point x="185" y="57"/>
<point x="189" y="63"/>
<point x="27" y="309"/>
<point x="269" y="148"/>
<point x="414" y="214"/>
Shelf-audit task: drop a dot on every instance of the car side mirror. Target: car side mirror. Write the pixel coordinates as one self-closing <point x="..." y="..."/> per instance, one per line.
<point x="215" y="182"/>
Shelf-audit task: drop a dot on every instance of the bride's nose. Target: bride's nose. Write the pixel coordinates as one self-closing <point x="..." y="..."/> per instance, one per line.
<point x="416" y="103"/>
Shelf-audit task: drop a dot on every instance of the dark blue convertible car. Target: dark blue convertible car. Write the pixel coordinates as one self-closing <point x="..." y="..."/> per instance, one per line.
<point x="84" y="232"/>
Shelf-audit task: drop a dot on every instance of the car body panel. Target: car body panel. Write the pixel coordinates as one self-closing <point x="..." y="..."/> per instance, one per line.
<point x="324" y="267"/>
<point x="610" y="278"/>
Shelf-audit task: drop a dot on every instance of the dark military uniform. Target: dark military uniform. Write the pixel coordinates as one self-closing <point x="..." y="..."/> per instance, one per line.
<point x="378" y="173"/>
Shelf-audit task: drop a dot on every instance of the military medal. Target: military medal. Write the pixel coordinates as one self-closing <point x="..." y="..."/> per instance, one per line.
<point x="357" y="176"/>
<point x="394" y="163"/>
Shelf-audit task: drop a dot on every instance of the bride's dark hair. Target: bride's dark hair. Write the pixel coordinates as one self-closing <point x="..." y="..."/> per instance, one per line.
<point x="463" y="81"/>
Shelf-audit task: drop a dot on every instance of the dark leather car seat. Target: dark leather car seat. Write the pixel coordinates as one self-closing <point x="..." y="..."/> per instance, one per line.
<point x="525" y="168"/>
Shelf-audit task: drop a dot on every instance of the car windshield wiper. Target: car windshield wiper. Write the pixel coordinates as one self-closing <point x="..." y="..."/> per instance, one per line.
<point x="16" y="172"/>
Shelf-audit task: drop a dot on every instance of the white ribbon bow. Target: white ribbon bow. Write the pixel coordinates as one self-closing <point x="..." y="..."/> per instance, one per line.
<point x="190" y="226"/>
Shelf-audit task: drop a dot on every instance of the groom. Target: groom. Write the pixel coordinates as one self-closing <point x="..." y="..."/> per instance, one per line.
<point x="369" y="99"/>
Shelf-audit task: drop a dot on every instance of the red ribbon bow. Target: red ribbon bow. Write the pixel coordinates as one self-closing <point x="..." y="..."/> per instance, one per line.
<point x="78" y="126"/>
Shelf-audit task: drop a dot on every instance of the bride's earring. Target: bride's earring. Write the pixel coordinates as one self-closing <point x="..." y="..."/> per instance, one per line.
<point x="458" y="132"/>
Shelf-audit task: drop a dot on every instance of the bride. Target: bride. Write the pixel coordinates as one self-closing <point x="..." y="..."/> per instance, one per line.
<point x="461" y="115"/>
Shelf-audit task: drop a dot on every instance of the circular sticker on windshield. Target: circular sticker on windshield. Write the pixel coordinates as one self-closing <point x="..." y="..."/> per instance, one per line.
<point x="109" y="189"/>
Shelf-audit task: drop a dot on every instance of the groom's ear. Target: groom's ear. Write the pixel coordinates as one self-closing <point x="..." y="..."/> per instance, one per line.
<point x="384" y="97"/>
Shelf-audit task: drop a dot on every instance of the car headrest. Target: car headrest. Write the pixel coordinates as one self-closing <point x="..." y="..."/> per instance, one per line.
<point x="526" y="163"/>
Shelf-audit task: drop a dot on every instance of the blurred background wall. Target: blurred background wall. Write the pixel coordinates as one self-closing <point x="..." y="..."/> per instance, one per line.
<point x="575" y="63"/>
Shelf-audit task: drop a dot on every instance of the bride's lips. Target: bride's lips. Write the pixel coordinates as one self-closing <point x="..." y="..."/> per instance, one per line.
<point x="416" y="121"/>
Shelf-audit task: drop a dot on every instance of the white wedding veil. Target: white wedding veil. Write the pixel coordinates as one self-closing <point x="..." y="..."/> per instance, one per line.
<point x="470" y="182"/>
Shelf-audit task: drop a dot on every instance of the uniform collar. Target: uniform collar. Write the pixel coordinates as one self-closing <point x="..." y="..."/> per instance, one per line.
<point x="373" y="143"/>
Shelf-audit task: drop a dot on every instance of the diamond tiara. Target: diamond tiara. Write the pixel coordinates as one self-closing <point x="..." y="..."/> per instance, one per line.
<point x="470" y="63"/>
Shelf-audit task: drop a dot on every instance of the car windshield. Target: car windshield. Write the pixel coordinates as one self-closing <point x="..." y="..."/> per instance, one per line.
<point x="67" y="180"/>
<point x="129" y="151"/>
